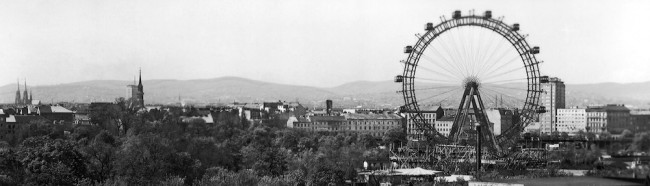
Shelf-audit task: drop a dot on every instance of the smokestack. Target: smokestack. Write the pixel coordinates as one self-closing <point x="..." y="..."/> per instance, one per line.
<point x="328" y="104"/>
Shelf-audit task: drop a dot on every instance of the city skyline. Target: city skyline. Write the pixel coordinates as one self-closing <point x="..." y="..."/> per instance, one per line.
<point x="316" y="43"/>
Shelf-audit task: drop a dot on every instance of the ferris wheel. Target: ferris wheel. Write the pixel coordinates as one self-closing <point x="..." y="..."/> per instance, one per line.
<point x="475" y="63"/>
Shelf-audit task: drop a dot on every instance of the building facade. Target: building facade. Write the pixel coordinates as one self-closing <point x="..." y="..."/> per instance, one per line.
<point x="373" y="124"/>
<point x="571" y="120"/>
<point x="412" y="131"/>
<point x="553" y="98"/>
<point x="618" y="118"/>
<point x="640" y="122"/>
<point x="596" y="119"/>
<point x="444" y="124"/>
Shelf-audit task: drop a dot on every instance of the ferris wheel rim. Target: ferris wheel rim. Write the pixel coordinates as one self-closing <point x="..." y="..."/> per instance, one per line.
<point x="518" y="41"/>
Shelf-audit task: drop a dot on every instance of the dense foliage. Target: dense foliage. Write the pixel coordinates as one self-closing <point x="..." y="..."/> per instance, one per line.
<point x="159" y="148"/>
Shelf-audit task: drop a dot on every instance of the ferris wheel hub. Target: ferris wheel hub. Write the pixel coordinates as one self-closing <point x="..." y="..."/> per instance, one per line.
<point x="471" y="81"/>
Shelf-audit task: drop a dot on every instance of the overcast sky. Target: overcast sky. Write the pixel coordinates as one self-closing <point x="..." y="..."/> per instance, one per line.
<point x="317" y="43"/>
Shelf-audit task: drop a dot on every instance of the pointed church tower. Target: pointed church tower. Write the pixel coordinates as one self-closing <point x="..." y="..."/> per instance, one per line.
<point x="25" y="94"/>
<point x="26" y="100"/>
<point x="140" y="94"/>
<point x="18" y="101"/>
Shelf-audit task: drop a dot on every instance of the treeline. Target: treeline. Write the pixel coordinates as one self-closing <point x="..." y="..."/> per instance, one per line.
<point x="157" y="148"/>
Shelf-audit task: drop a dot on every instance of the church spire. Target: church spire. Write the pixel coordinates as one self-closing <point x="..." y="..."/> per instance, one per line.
<point x="18" y="101"/>
<point x="140" y="78"/>
<point x="140" y="92"/>
<point x="25" y="94"/>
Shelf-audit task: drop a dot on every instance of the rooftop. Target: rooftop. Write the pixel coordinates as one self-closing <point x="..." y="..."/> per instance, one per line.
<point x="53" y="109"/>
<point x="372" y="116"/>
<point x="327" y="118"/>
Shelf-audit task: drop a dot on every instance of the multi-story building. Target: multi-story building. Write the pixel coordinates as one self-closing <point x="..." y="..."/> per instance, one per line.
<point x="571" y="120"/>
<point x="374" y="124"/>
<point x="412" y="131"/>
<point x="444" y="124"/>
<point x="640" y="120"/>
<point x="617" y="118"/>
<point x="11" y="125"/>
<point x="57" y="114"/>
<point x="596" y="119"/>
<point x="553" y="98"/>
<point x="613" y="118"/>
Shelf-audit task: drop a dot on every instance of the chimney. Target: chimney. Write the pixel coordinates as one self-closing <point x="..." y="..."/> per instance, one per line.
<point x="328" y="104"/>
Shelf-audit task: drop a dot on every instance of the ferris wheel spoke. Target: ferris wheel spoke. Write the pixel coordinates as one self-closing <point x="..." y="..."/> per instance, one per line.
<point x="443" y="93"/>
<point x="455" y="50"/>
<point x="463" y="41"/>
<point x="465" y="51"/>
<point x="433" y="80"/>
<point x="430" y="59"/>
<point x="450" y="77"/>
<point x="478" y="45"/>
<point x="517" y="80"/>
<point x="460" y="51"/>
<point x="433" y="88"/>
<point x="509" y="101"/>
<point x="490" y="69"/>
<point x="489" y="50"/>
<point x="489" y="96"/>
<point x="492" y="72"/>
<point x="495" y="61"/>
<point x="449" y="96"/>
<point x="502" y="87"/>
<point x="449" y="73"/>
<point x="446" y="60"/>
<point x="489" y="59"/>
<point x="505" y="72"/>
<point x="507" y="95"/>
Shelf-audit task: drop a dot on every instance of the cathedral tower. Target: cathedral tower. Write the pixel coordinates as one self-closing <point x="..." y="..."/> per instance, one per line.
<point x="26" y="100"/>
<point x="140" y="95"/>
<point x="18" y="100"/>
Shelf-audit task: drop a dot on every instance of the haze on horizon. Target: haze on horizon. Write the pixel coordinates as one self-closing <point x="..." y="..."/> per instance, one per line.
<point x="317" y="43"/>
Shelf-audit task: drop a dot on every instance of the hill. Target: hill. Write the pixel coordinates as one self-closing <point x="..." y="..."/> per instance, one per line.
<point x="381" y="94"/>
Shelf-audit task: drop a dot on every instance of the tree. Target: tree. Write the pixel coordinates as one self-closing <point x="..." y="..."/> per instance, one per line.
<point x="368" y="141"/>
<point x="50" y="161"/>
<point x="101" y="154"/>
<point x="265" y="161"/>
<point x="395" y="136"/>
<point x="146" y="159"/>
<point x="564" y="135"/>
<point x="605" y="135"/>
<point x="107" y="116"/>
<point x="11" y="167"/>
<point x="590" y="136"/>
<point x="197" y="127"/>
<point x="627" y="134"/>
<point x="641" y="142"/>
<point x="555" y="135"/>
<point x="580" y="135"/>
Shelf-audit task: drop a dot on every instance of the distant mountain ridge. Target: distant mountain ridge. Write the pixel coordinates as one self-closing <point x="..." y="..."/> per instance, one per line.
<point x="231" y="89"/>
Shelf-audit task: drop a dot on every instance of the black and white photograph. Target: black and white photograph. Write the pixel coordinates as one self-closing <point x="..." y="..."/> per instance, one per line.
<point x="324" y="92"/>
